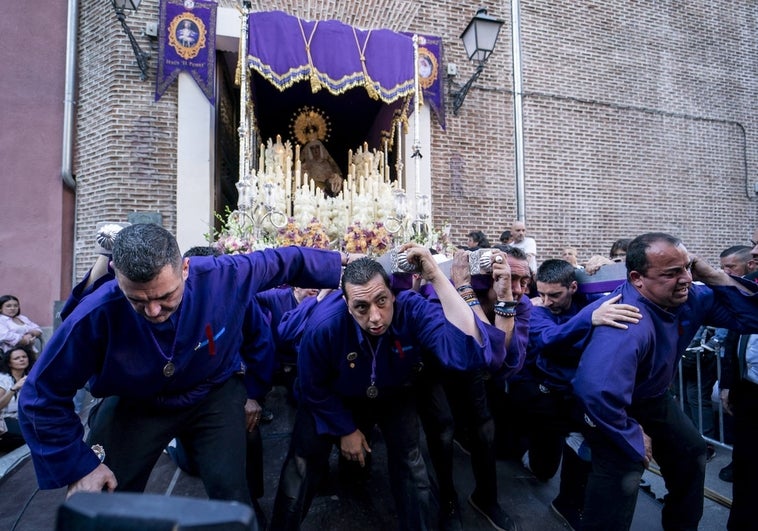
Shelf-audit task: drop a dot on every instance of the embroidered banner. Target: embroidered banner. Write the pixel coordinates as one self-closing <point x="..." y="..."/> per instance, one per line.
<point x="187" y="43"/>
<point x="430" y="66"/>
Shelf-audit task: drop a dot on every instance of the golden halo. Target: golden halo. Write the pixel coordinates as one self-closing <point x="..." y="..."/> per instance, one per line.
<point x="310" y="123"/>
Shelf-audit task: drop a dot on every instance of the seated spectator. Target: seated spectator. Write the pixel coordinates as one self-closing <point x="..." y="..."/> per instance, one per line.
<point x="14" y="367"/>
<point x="16" y="330"/>
<point x="618" y="249"/>
<point x="569" y="255"/>
<point x="477" y="240"/>
<point x="617" y="255"/>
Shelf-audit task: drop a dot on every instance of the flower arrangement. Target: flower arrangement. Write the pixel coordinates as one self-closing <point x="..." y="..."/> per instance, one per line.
<point x="313" y="235"/>
<point x="373" y="239"/>
<point x="236" y="235"/>
<point x="437" y="239"/>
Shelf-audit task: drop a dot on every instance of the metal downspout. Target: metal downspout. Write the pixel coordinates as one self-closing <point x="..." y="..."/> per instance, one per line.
<point x="68" y="96"/>
<point x="518" y="116"/>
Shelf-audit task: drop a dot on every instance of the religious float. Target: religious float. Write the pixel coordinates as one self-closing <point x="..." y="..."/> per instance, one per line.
<point x="311" y="87"/>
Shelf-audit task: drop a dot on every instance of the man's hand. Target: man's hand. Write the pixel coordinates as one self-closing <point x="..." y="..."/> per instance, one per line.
<point x="353" y="447"/>
<point x="252" y="413"/>
<point x="460" y="273"/>
<point x="595" y="263"/>
<point x="615" y="314"/>
<point x="501" y="276"/>
<point x="724" y="395"/>
<point x="95" y="481"/>
<point x="422" y="258"/>
<point x="648" y="442"/>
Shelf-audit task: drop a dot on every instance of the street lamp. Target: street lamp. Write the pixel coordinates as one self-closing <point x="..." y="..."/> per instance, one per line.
<point x="142" y="57"/>
<point x="479" y="40"/>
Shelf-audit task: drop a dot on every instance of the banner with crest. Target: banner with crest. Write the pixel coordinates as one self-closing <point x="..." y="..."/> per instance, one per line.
<point x="430" y="65"/>
<point x="187" y="44"/>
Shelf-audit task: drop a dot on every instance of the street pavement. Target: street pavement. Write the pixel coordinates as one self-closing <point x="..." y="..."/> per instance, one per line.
<point x="341" y="506"/>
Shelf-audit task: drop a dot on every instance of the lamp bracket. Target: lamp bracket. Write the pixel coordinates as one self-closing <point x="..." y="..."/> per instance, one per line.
<point x="460" y="94"/>
<point x="141" y="56"/>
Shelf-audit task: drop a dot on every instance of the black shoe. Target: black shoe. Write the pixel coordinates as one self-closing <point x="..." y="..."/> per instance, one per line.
<point x="710" y="452"/>
<point x="266" y="415"/>
<point x="727" y="473"/>
<point x="569" y="516"/>
<point x="494" y="514"/>
<point x="450" y="516"/>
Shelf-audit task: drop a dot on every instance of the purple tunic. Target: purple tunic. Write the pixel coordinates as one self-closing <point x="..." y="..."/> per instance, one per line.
<point x="104" y="341"/>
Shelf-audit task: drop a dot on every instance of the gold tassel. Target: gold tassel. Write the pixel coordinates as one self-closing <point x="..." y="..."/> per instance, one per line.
<point x="372" y="93"/>
<point x="315" y="83"/>
<point x="240" y="62"/>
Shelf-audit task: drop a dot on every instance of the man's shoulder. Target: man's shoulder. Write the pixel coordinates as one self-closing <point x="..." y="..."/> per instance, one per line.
<point x="329" y="314"/>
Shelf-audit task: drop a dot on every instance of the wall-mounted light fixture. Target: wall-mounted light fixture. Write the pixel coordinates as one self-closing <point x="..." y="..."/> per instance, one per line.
<point x="479" y="40"/>
<point x="142" y="57"/>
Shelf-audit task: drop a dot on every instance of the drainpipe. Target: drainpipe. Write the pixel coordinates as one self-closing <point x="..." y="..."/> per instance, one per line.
<point x="68" y="97"/>
<point x="518" y="111"/>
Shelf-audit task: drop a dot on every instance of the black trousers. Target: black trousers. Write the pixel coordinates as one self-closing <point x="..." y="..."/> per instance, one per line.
<point x="439" y="427"/>
<point x="307" y="461"/>
<point x="134" y="436"/>
<point x="546" y="416"/>
<point x="744" y="512"/>
<point x="437" y="390"/>
<point x="613" y="484"/>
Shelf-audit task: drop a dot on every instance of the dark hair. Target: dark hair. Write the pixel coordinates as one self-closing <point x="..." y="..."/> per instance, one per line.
<point x="620" y="245"/>
<point x="556" y="271"/>
<point x="636" y="253"/>
<point x="742" y="251"/>
<point x="360" y="272"/>
<point x="505" y="236"/>
<point x="6" y="298"/>
<point x="5" y="366"/>
<point x="480" y="238"/>
<point x="515" y="252"/>
<point x="201" y="250"/>
<point x="141" y="251"/>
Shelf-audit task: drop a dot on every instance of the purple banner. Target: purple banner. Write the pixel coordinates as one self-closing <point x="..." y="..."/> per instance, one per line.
<point x="187" y="43"/>
<point x="430" y="66"/>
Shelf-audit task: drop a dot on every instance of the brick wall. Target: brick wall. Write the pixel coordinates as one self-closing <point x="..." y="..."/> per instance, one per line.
<point x="125" y="154"/>
<point x="638" y="116"/>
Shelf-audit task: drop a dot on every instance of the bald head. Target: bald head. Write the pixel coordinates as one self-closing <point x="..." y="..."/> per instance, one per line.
<point x="518" y="231"/>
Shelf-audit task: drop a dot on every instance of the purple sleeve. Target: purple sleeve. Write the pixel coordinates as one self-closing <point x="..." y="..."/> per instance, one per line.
<point x="257" y="352"/>
<point x="605" y="382"/>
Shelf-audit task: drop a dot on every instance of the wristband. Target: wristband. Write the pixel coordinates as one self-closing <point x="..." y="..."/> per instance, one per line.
<point x="464" y="287"/>
<point x="505" y="313"/>
<point x="473" y="303"/>
<point x="506" y="308"/>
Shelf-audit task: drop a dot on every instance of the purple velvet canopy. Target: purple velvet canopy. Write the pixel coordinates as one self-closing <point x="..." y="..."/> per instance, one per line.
<point x="360" y="100"/>
<point x="277" y="50"/>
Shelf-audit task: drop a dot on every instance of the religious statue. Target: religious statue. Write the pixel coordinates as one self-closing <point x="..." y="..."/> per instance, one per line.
<point x="321" y="167"/>
<point x="310" y="127"/>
